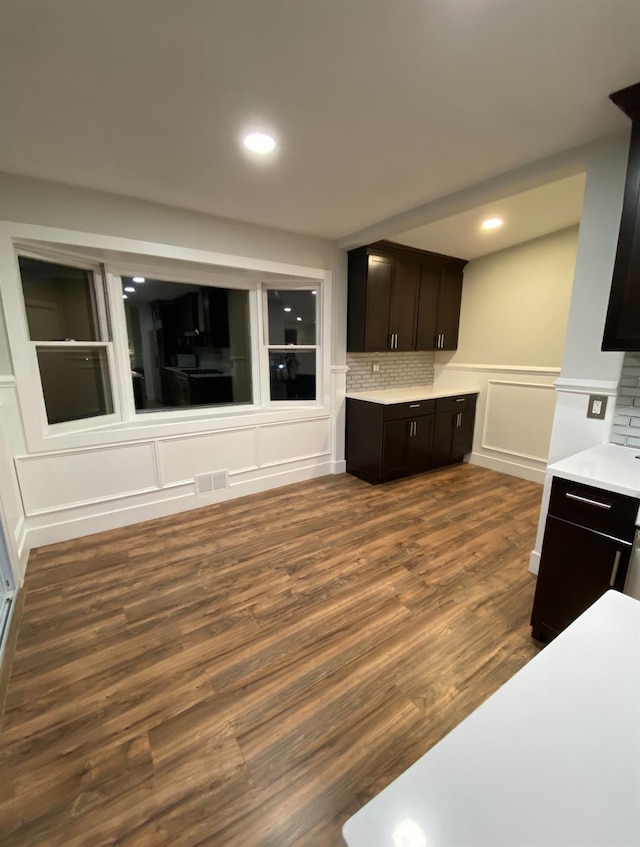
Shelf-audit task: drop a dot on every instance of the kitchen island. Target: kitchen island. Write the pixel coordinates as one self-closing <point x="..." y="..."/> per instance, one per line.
<point x="552" y="758"/>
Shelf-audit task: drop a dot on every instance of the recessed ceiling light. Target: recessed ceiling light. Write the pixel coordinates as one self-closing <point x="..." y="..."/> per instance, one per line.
<point x="259" y="142"/>
<point x="125" y="296"/>
<point x="298" y="319"/>
<point x="129" y="288"/>
<point x="138" y="279"/>
<point x="492" y="223"/>
<point x="287" y="308"/>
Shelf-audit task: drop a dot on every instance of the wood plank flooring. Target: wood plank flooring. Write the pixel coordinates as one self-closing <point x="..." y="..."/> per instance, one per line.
<point x="251" y="673"/>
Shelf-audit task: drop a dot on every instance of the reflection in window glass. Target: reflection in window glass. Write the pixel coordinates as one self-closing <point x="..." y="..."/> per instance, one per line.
<point x="75" y="382"/>
<point x="292" y="317"/>
<point x="188" y="344"/>
<point x="292" y="374"/>
<point x="59" y="301"/>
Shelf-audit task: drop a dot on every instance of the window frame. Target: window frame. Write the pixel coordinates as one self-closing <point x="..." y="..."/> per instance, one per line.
<point x="266" y="347"/>
<point x="124" y="256"/>
<point x="104" y="328"/>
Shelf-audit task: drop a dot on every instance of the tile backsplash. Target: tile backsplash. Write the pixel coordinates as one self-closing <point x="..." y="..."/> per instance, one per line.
<point x="396" y="370"/>
<point x="626" y="422"/>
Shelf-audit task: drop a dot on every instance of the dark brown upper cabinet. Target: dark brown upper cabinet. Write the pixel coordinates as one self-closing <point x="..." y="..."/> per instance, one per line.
<point x="622" y="325"/>
<point x="401" y="298"/>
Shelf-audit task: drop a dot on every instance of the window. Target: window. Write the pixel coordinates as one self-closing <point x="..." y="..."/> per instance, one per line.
<point x="188" y="344"/>
<point x="67" y="325"/>
<point x="292" y="343"/>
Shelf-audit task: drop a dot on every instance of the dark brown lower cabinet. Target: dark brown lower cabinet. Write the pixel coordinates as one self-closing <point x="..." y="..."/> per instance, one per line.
<point x="388" y="441"/>
<point x="585" y="552"/>
<point x="406" y="446"/>
<point x="453" y="430"/>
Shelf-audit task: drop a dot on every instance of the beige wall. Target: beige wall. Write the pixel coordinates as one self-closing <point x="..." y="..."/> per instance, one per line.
<point x="515" y="304"/>
<point x="515" y="307"/>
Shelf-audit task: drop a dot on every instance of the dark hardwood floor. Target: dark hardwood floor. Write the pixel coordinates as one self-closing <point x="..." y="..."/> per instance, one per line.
<point x="251" y="673"/>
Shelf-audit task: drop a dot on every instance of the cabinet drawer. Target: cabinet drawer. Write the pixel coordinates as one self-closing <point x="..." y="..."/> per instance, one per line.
<point x="594" y="508"/>
<point x="396" y="411"/>
<point x="457" y="403"/>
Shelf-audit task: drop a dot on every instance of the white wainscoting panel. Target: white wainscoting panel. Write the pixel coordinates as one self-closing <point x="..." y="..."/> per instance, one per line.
<point x="53" y="481"/>
<point x="518" y="418"/>
<point x="183" y="458"/>
<point x="288" y="442"/>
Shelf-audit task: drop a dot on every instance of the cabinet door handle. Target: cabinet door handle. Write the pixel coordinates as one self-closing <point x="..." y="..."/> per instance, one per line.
<point x="586" y="500"/>
<point x="614" y="569"/>
<point x="414" y="405"/>
<point x="442" y="344"/>
<point x="459" y="419"/>
<point x="415" y="428"/>
<point x="460" y="399"/>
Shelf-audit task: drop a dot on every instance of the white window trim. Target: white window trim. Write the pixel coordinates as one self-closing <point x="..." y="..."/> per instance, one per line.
<point x="106" y="343"/>
<point x="265" y="347"/>
<point x="124" y="256"/>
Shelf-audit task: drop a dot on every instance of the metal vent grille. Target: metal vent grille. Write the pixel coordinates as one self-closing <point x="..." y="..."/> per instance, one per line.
<point x="207" y="483"/>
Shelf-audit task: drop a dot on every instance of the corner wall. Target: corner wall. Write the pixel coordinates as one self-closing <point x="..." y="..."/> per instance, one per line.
<point x="586" y="369"/>
<point x="62" y="494"/>
<point x="514" y="312"/>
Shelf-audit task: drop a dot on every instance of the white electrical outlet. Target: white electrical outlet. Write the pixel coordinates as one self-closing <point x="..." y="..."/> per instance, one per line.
<point x="375" y="367"/>
<point x="597" y="406"/>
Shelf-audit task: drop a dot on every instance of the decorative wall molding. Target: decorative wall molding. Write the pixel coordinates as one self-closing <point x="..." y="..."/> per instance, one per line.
<point x="529" y="370"/>
<point x="517" y="425"/>
<point x="586" y="386"/>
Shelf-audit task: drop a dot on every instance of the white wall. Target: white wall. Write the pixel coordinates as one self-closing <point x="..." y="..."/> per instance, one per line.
<point x="585" y="368"/>
<point x="67" y="493"/>
<point x="513" y="320"/>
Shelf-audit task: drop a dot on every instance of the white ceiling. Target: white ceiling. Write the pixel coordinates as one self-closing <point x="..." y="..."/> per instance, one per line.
<point x="527" y="215"/>
<point x="378" y="106"/>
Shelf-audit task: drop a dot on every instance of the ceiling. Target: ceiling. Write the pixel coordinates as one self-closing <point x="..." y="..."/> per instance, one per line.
<point x="526" y="215"/>
<point x="378" y="107"/>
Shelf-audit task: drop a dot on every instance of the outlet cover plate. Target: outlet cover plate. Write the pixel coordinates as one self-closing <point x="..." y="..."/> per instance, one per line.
<point x="597" y="406"/>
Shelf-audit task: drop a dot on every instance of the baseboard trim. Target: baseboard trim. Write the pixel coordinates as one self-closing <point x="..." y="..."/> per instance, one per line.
<point x="102" y="521"/>
<point x="8" y="651"/>
<point x="534" y="562"/>
<point x="494" y="463"/>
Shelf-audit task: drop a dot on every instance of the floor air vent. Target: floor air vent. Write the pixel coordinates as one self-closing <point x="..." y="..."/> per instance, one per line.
<point x="208" y="483"/>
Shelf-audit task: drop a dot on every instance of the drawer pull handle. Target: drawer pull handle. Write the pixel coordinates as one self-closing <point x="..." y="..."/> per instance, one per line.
<point x="614" y="570"/>
<point x="414" y="405"/>
<point x="460" y="400"/>
<point x="588" y="502"/>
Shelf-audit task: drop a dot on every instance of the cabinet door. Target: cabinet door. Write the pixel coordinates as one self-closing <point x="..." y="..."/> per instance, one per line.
<point x="404" y="305"/>
<point x="378" y="303"/>
<point x="443" y="437"/>
<point x="430" y="278"/>
<point x="395" y="457"/>
<point x="462" y="434"/>
<point x="449" y="309"/>
<point x="576" y="567"/>
<point x="622" y="327"/>
<point x="420" y="442"/>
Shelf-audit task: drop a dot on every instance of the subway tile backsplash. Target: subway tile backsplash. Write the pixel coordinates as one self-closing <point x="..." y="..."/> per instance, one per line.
<point x="396" y="370"/>
<point x="626" y="422"/>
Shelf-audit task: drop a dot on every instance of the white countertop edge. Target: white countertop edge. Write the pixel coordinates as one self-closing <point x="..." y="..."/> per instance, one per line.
<point x="608" y="466"/>
<point x="410" y="393"/>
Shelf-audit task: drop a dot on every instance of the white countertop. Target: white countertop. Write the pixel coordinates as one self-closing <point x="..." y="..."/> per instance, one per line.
<point x="410" y="393"/>
<point x="552" y="759"/>
<point x="606" y="466"/>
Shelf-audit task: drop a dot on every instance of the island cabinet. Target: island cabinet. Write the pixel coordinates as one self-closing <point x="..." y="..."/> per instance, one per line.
<point x="388" y="441"/>
<point x="586" y="549"/>
<point x="402" y="299"/>
<point x="453" y="428"/>
<point x="622" y="326"/>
